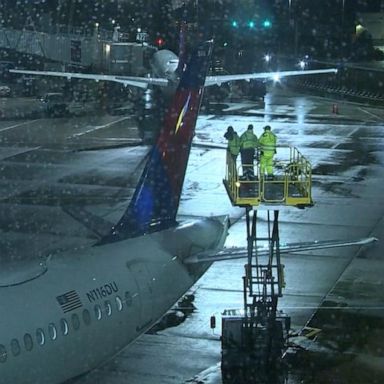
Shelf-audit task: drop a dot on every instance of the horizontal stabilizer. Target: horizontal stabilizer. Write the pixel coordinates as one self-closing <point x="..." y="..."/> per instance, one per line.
<point x="241" y="252"/>
<point x="95" y="224"/>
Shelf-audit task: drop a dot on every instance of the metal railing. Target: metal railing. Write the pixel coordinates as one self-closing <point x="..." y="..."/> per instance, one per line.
<point x="291" y="183"/>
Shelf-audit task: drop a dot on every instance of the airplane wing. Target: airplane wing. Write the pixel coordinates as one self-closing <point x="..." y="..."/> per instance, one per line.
<point x="220" y="79"/>
<point x="241" y="252"/>
<point x="136" y="81"/>
<point x="143" y="82"/>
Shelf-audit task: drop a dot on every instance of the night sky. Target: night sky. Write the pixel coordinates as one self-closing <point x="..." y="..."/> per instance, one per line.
<point x="369" y="5"/>
<point x="317" y="22"/>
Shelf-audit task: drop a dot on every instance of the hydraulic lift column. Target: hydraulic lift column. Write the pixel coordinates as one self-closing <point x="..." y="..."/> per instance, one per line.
<point x="256" y="336"/>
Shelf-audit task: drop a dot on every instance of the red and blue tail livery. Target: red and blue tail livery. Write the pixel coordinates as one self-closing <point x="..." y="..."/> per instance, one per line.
<point x="156" y="199"/>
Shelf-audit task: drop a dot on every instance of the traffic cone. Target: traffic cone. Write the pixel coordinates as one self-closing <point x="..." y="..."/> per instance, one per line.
<point x="335" y="109"/>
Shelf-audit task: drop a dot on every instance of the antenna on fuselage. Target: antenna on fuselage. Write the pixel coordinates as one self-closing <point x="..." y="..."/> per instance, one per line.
<point x="182" y="43"/>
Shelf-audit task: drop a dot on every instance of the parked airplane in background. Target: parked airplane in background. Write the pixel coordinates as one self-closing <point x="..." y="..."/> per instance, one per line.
<point x="65" y="316"/>
<point x="166" y="68"/>
<point x="164" y="65"/>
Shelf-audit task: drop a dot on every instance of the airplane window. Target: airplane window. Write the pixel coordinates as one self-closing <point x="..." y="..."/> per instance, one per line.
<point x="108" y="308"/>
<point x="28" y="342"/>
<point x="15" y="347"/>
<point x="52" y="331"/>
<point x="98" y="312"/>
<point x="86" y="317"/>
<point x="75" y="321"/>
<point x="3" y="354"/>
<point x="64" y="327"/>
<point x="119" y="303"/>
<point x="128" y="299"/>
<point x="40" y="336"/>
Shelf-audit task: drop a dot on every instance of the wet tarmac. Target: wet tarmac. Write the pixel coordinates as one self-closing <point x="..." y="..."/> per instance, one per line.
<point x="56" y="174"/>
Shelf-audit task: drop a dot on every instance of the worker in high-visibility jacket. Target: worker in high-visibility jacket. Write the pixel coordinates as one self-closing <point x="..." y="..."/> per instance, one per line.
<point x="267" y="147"/>
<point x="233" y="142"/>
<point x="248" y="145"/>
<point x="233" y="149"/>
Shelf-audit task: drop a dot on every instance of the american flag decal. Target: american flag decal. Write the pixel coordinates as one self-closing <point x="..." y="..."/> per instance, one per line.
<point x="69" y="301"/>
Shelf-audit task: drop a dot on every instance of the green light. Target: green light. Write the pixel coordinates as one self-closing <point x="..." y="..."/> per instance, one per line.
<point x="234" y="24"/>
<point x="267" y="23"/>
<point x="251" y="24"/>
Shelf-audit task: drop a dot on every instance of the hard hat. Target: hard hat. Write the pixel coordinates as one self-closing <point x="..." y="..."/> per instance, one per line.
<point x="267" y="128"/>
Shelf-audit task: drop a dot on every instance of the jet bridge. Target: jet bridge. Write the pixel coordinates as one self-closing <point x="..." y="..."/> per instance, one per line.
<point x="80" y="49"/>
<point x="255" y="337"/>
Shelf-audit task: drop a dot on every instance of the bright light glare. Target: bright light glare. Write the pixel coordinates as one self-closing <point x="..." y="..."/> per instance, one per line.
<point x="302" y="64"/>
<point x="276" y="77"/>
<point x="267" y="23"/>
<point x="359" y="29"/>
<point x="267" y="58"/>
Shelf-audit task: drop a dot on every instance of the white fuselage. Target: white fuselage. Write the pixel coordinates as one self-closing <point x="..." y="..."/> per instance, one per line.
<point x="120" y="290"/>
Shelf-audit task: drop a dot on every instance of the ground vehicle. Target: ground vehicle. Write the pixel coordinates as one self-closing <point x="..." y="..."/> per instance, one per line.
<point x="5" y="91"/>
<point x="54" y="104"/>
<point x="5" y="66"/>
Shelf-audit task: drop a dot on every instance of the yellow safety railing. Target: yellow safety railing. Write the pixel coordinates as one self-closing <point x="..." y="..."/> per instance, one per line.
<point x="291" y="184"/>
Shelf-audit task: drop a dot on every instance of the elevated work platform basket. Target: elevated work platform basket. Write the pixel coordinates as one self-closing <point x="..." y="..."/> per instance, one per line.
<point x="290" y="185"/>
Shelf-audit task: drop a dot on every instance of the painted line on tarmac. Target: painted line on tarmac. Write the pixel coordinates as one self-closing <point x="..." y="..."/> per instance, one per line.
<point x="96" y="128"/>
<point x="346" y="308"/>
<point x="334" y="146"/>
<point x="17" y="125"/>
<point x="379" y="118"/>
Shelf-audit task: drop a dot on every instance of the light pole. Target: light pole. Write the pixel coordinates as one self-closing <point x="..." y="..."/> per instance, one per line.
<point x="70" y="16"/>
<point x="290" y="11"/>
<point x="197" y="13"/>
<point x="293" y="25"/>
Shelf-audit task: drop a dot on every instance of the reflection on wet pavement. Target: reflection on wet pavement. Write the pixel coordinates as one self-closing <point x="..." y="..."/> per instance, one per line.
<point x="348" y="350"/>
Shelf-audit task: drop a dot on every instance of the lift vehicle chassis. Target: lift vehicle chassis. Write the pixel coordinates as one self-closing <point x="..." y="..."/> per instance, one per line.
<point x="256" y="336"/>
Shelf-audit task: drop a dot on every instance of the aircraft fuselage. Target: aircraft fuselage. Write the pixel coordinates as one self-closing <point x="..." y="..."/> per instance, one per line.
<point x="90" y="303"/>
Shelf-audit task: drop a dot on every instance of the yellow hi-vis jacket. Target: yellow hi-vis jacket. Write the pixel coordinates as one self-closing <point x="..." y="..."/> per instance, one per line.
<point x="267" y="142"/>
<point x="248" y="140"/>
<point x="234" y="144"/>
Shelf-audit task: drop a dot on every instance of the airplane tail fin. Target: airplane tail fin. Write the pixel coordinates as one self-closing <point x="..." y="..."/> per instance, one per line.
<point x="156" y="199"/>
